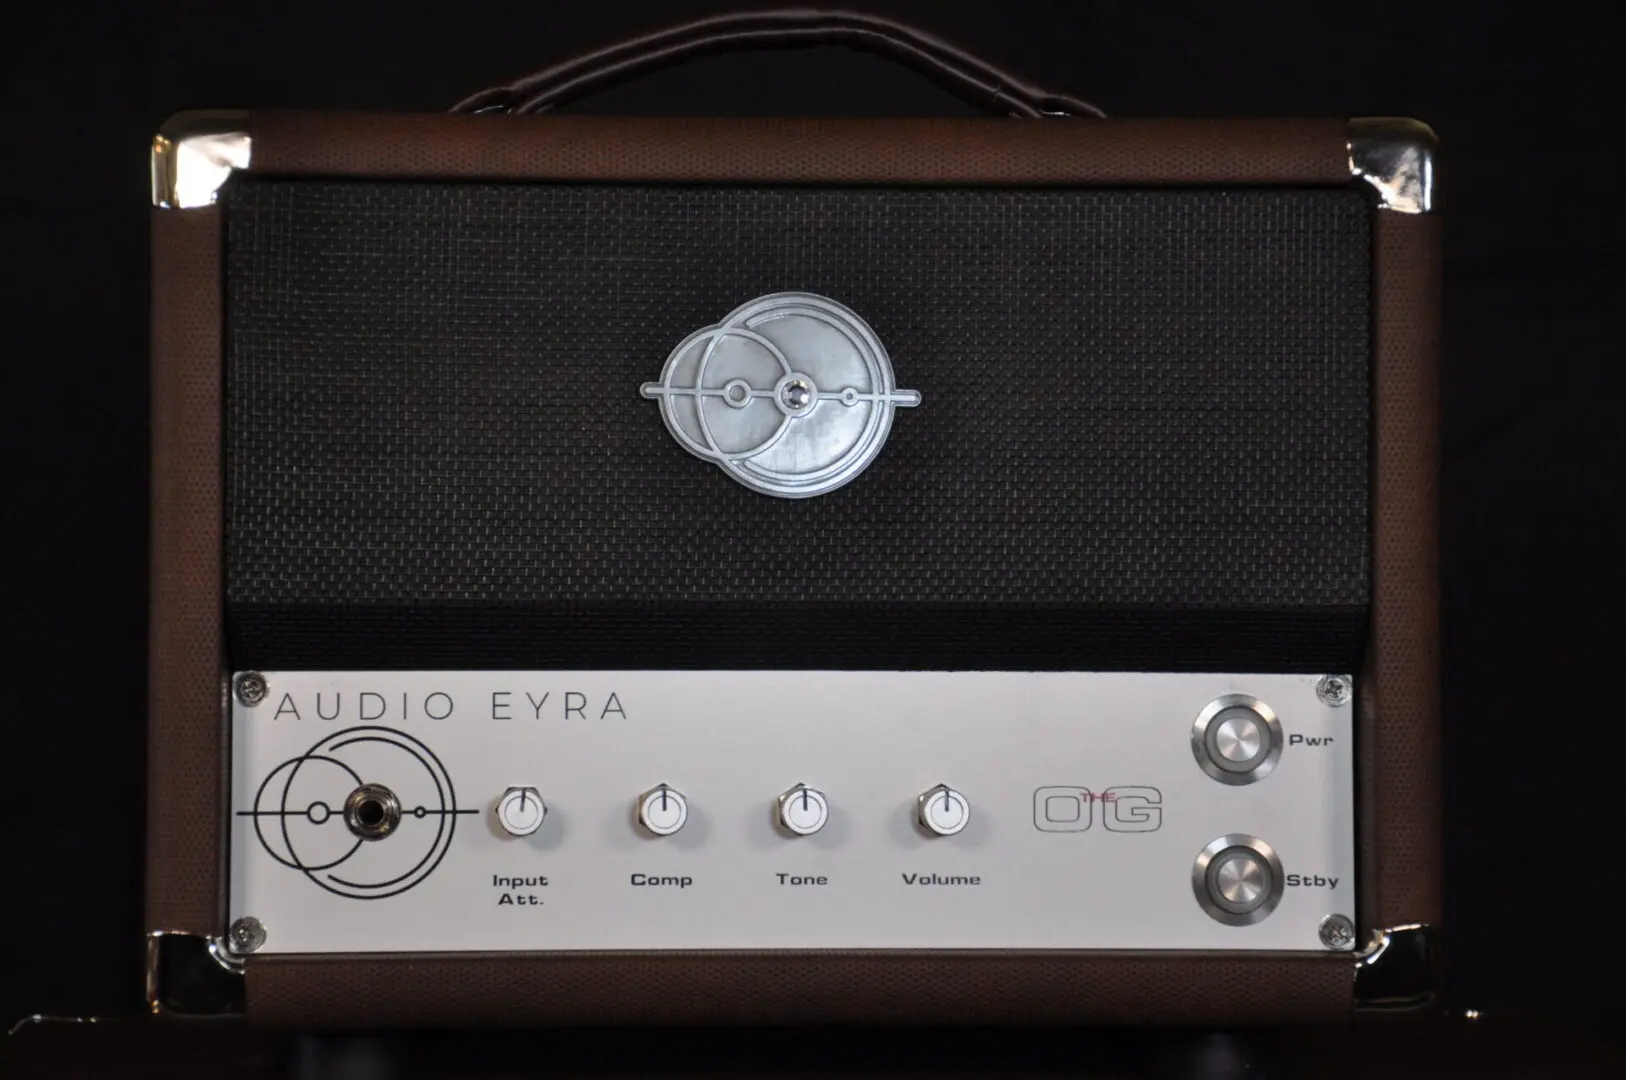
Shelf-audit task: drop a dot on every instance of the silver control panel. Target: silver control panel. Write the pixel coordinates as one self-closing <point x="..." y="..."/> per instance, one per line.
<point x="480" y="811"/>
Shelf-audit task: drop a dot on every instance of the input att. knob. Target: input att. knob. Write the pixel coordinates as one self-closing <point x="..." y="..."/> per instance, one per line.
<point x="520" y="811"/>
<point x="943" y="811"/>
<point x="803" y="810"/>
<point x="662" y="810"/>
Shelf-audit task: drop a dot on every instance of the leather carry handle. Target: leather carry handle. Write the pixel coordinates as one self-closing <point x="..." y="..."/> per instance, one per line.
<point x="972" y="78"/>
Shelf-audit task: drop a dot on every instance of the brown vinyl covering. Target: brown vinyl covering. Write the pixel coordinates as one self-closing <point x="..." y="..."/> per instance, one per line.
<point x="187" y="773"/>
<point x="471" y="990"/>
<point x="975" y="151"/>
<point x="1399" y="761"/>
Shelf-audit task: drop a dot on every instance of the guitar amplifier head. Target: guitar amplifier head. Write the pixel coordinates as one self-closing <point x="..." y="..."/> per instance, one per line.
<point x="658" y="570"/>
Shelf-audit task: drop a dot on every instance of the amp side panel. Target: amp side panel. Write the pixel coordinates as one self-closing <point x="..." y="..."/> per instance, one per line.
<point x="1400" y="766"/>
<point x="186" y="753"/>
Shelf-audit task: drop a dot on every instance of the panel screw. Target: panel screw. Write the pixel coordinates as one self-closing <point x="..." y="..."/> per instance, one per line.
<point x="250" y="687"/>
<point x="1337" y="932"/>
<point x="1334" y="690"/>
<point x="246" y="935"/>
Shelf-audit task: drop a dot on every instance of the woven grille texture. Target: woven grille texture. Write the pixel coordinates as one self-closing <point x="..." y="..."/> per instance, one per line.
<point x="1143" y="441"/>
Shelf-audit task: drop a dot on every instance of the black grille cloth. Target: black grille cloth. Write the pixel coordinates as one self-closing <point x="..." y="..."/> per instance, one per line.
<point x="1143" y="440"/>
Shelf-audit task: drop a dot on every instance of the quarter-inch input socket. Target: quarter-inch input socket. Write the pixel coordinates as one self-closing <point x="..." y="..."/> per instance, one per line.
<point x="372" y="811"/>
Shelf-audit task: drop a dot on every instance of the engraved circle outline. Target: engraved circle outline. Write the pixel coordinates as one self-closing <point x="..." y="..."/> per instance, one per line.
<point x="447" y="813"/>
<point x="718" y="333"/>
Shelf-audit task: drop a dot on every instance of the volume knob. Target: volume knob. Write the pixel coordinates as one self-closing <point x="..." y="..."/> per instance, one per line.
<point x="943" y="811"/>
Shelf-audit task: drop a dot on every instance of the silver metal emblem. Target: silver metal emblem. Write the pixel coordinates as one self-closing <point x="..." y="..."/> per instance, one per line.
<point x="792" y="395"/>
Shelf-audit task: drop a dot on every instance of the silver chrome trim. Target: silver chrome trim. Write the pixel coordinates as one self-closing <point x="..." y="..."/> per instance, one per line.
<point x="1395" y="155"/>
<point x="1398" y="969"/>
<point x="1381" y="940"/>
<point x="44" y="1018"/>
<point x="1205" y="898"/>
<point x="194" y="154"/>
<point x="1199" y="738"/>
<point x="153" y="993"/>
<point x="213" y="985"/>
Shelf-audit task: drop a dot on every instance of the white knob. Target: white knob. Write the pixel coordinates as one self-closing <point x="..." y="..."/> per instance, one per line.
<point x="803" y="810"/>
<point x="662" y="810"/>
<point x="520" y="811"/>
<point x="944" y="811"/>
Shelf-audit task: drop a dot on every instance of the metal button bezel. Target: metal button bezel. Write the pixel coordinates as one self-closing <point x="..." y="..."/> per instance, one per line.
<point x="1268" y="722"/>
<point x="1210" y="855"/>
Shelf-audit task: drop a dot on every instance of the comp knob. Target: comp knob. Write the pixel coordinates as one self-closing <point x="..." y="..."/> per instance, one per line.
<point x="663" y="810"/>
<point x="803" y="810"/>
<point x="942" y="811"/>
<point x="1237" y="879"/>
<point x="520" y="811"/>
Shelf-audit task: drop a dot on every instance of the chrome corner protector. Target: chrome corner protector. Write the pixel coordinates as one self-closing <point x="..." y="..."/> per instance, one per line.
<point x="194" y="154"/>
<point x="1395" y="156"/>
<point x="192" y="975"/>
<point x="1398" y="969"/>
<point x="221" y="954"/>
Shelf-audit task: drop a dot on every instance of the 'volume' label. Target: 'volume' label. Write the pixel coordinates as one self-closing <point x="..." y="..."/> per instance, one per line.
<point x="939" y="879"/>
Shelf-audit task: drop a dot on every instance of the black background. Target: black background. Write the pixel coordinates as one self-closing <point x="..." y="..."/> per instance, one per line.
<point x="1525" y="99"/>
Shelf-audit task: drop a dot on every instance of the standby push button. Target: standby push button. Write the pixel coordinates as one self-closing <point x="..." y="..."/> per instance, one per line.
<point x="1237" y="739"/>
<point x="1237" y="879"/>
<point x="662" y="810"/>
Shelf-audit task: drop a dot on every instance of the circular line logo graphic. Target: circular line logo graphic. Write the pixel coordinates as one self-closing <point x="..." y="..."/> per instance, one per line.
<point x="792" y="395"/>
<point x="298" y="812"/>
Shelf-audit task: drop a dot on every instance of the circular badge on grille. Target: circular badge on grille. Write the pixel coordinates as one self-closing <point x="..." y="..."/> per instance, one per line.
<point x="792" y="394"/>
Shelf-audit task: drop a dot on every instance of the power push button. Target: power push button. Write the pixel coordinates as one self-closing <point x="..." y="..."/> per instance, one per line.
<point x="1237" y="739"/>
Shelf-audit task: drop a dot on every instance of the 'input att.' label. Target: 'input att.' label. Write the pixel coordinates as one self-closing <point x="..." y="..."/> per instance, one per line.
<point x="1129" y="808"/>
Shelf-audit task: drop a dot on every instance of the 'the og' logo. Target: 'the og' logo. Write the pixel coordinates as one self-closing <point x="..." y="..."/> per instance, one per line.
<point x="1128" y="808"/>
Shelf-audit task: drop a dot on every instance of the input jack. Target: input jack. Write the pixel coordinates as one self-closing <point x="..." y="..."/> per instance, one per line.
<point x="372" y="811"/>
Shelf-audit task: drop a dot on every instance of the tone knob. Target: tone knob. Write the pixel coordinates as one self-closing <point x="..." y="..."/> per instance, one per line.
<point x="662" y="810"/>
<point x="520" y="811"/>
<point x="1238" y="879"/>
<point x="803" y="810"/>
<point x="1237" y="739"/>
<point x="943" y="811"/>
